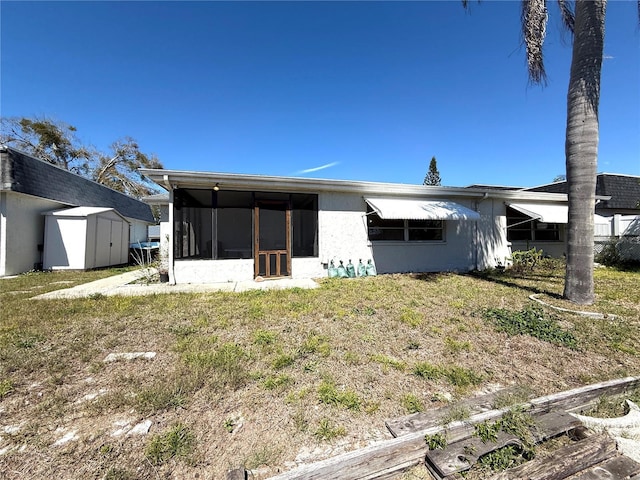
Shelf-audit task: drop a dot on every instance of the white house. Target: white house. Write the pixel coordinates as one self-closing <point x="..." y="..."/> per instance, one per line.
<point x="229" y="227"/>
<point x="29" y="188"/>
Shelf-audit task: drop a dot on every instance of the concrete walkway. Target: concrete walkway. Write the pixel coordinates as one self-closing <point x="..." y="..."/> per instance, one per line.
<point x="123" y="285"/>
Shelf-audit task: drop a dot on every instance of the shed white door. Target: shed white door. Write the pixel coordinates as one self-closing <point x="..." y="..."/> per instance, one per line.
<point x="109" y="242"/>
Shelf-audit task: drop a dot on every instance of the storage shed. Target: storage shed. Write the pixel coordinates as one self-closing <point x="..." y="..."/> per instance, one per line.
<point x="85" y="237"/>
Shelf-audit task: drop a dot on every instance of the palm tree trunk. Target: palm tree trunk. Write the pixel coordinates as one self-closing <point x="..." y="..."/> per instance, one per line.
<point x="581" y="147"/>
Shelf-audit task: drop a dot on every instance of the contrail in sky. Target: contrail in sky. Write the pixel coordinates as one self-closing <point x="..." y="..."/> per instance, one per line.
<point x="322" y="167"/>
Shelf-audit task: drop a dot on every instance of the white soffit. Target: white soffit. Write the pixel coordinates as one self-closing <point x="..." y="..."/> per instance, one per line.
<point x="545" y="213"/>
<point x="406" y="209"/>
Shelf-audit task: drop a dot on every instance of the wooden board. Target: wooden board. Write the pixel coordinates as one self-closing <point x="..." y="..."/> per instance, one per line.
<point x="565" y="461"/>
<point x="617" y="468"/>
<point x="571" y="400"/>
<point x="419" y="421"/>
<point x="463" y="454"/>
<point x="388" y="458"/>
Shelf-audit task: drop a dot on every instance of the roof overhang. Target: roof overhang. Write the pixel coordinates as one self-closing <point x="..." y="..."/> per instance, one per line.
<point x="543" y="212"/>
<point x="414" y="209"/>
<point x="172" y="179"/>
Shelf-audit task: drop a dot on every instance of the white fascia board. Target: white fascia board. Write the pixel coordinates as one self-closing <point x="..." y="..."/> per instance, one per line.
<point x="231" y="181"/>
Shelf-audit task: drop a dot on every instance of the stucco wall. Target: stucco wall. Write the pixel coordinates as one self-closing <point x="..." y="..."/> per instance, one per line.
<point x="22" y="231"/>
<point x="212" y="271"/>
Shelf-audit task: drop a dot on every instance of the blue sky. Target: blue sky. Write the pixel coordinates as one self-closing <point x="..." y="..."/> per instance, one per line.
<point x="369" y="90"/>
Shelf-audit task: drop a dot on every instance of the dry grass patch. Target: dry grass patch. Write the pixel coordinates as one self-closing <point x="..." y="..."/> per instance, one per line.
<point x="295" y="370"/>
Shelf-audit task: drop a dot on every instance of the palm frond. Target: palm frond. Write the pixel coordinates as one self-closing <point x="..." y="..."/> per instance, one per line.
<point x="534" y="17"/>
<point x="568" y="17"/>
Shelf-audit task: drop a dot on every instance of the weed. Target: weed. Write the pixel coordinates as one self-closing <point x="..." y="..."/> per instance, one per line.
<point x="410" y="317"/>
<point x="352" y="358"/>
<point x="366" y="310"/>
<point x="427" y="371"/>
<point x="328" y="432"/>
<point x="315" y="343"/>
<point x="264" y="337"/>
<point x="457" y="413"/>
<point x="455" y="346"/>
<point x="501" y="459"/>
<point x="276" y="381"/>
<point x="487" y="432"/>
<point x="229" y="424"/>
<point x="264" y="456"/>
<point x="115" y="473"/>
<point x="178" y="441"/>
<point x="457" y="376"/>
<point x="300" y="421"/>
<point x="387" y="362"/>
<point x="532" y="321"/>
<point x="518" y="395"/>
<point x="160" y="397"/>
<point x="283" y="360"/>
<point x="435" y="441"/>
<point x="329" y="394"/>
<point x="6" y="387"/>
<point x="412" y="403"/>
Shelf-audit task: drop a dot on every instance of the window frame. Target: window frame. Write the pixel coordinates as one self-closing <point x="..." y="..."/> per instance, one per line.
<point x="406" y="227"/>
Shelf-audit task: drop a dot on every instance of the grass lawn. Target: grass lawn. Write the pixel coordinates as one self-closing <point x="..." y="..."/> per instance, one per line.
<point x="264" y="377"/>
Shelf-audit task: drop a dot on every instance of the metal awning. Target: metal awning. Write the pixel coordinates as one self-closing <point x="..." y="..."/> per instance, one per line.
<point x="413" y="209"/>
<point x="543" y="212"/>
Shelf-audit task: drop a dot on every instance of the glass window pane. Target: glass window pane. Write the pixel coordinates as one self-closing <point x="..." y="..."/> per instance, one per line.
<point x="423" y="234"/>
<point x="386" y="234"/>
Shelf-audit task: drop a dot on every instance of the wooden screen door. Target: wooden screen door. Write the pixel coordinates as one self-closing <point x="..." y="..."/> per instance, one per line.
<point x="272" y="239"/>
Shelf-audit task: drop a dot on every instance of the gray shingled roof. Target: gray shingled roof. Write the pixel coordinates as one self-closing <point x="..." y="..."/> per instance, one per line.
<point x="624" y="190"/>
<point x="25" y="174"/>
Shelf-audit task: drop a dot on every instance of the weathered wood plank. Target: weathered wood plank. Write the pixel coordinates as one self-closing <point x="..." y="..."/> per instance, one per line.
<point x="583" y="397"/>
<point x="552" y="424"/>
<point x="387" y="458"/>
<point x="419" y="421"/>
<point x="462" y="455"/>
<point x="617" y="468"/>
<point x="565" y="461"/>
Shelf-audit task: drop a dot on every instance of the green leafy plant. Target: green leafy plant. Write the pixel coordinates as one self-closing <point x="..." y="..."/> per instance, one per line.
<point x="526" y="259"/>
<point x="435" y="441"/>
<point x="531" y="321"/>
<point x="487" y="432"/>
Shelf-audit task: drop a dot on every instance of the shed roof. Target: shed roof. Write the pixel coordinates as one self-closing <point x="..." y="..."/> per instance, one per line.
<point x="82" y="212"/>
<point x="23" y="173"/>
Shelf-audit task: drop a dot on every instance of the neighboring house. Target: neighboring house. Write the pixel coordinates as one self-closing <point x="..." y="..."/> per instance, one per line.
<point x="617" y="211"/>
<point x="29" y="188"/>
<point x="230" y="227"/>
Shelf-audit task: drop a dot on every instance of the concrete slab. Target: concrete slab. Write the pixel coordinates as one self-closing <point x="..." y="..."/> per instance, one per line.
<point x="122" y="285"/>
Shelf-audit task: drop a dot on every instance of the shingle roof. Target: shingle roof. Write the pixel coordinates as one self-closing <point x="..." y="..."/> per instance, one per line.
<point x="25" y="174"/>
<point x="624" y="190"/>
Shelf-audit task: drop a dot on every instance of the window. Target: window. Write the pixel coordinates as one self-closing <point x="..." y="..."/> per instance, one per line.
<point x="403" y="230"/>
<point x="521" y="227"/>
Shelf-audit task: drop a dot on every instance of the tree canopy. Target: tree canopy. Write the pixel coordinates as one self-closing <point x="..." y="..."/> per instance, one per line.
<point x="57" y="143"/>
